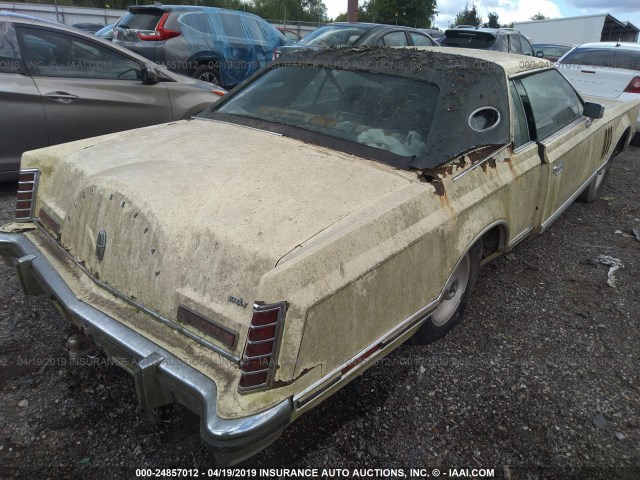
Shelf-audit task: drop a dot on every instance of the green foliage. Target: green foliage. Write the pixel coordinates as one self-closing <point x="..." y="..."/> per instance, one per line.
<point x="539" y="16"/>
<point x="410" y="13"/>
<point x="469" y="16"/>
<point x="296" y="10"/>
<point x="363" y="14"/>
<point x="493" y="21"/>
<point x="303" y="10"/>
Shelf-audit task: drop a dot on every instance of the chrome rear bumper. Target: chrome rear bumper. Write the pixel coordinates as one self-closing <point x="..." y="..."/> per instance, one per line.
<point x="160" y="377"/>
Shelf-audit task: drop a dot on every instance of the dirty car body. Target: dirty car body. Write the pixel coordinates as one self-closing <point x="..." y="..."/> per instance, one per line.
<point x="252" y="284"/>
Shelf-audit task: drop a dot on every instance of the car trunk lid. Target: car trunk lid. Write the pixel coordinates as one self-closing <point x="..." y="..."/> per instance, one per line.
<point x="598" y="81"/>
<point x="195" y="213"/>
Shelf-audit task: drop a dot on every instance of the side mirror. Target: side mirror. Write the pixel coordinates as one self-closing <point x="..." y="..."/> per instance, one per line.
<point x="149" y="75"/>
<point x="540" y="54"/>
<point x="593" y="110"/>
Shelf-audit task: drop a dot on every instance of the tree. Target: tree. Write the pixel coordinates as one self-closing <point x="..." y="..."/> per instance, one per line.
<point x="539" y="16"/>
<point x="410" y="13"/>
<point x="493" y="21"/>
<point x="305" y="10"/>
<point x="363" y="14"/>
<point x="469" y="16"/>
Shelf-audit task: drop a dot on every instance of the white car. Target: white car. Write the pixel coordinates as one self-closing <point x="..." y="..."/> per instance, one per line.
<point x="605" y="69"/>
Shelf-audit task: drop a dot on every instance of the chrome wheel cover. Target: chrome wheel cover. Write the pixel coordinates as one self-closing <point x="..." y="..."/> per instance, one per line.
<point x="453" y="293"/>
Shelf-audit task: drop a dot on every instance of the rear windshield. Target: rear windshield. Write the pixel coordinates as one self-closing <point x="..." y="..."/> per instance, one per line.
<point x="334" y="36"/>
<point x="140" y="20"/>
<point x="626" y="59"/>
<point x="468" y="40"/>
<point x="373" y="109"/>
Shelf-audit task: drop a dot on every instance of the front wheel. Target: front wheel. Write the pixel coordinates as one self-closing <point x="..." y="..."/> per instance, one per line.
<point x="594" y="190"/>
<point x="455" y="298"/>
<point x="207" y="73"/>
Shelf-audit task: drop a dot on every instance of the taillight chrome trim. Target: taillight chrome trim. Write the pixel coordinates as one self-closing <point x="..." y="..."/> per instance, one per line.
<point x="281" y="307"/>
<point x="27" y="214"/>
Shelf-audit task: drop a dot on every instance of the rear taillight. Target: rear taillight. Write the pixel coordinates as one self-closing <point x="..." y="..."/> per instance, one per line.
<point x="26" y="196"/>
<point x="160" y="32"/>
<point x="260" y="351"/>
<point x="634" y="86"/>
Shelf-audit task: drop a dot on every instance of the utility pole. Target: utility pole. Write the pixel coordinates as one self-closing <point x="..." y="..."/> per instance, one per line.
<point x="55" y="3"/>
<point x="352" y="10"/>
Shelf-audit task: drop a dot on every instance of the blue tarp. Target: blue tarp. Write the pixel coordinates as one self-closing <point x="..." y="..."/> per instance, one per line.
<point x="244" y="42"/>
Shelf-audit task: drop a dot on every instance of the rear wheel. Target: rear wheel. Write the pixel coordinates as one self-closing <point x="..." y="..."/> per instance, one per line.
<point x="455" y="298"/>
<point x="207" y="73"/>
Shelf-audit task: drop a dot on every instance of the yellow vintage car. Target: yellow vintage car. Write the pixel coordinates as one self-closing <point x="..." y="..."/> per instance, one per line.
<point x="250" y="262"/>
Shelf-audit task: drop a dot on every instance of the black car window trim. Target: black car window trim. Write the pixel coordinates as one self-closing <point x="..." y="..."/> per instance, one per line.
<point x="524" y="97"/>
<point x="519" y="114"/>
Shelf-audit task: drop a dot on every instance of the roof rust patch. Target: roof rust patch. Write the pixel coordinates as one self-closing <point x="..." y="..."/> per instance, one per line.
<point x="431" y="177"/>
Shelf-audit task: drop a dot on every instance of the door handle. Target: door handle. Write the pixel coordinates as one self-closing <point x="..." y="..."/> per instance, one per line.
<point x="62" y="97"/>
<point x="558" y="168"/>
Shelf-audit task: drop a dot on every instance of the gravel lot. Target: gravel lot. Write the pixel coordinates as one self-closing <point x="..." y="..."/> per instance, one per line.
<point x="542" y="380"/>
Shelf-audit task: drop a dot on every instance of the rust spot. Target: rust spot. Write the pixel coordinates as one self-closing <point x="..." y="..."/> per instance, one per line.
<point x="444" y="203"/>
<point x="482" y="153"/>
<point x="461" y="163"/>
<point x="510" y="163"/>
<point x="431" y="177"/>
<point x="280" y="383"/>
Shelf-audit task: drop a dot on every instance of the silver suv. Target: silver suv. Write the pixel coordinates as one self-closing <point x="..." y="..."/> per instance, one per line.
<point x="498" y="39"/>
<point x="212" y="44"/>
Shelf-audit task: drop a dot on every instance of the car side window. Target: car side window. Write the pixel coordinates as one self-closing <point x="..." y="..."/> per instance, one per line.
<point x="395" y="39"/>
<point x="9" y="49"/>
<point x="527" y="49"/>
<point x="596" y="58"/>
<point x="502" y="43"/>
<point x="514" y="44"/>
<point x="520" y="128"/>
<point x="56" y="54"/>
<point x="421" y="40"/>
<point x="553" y="102"/>
<point x="626" y="59"/>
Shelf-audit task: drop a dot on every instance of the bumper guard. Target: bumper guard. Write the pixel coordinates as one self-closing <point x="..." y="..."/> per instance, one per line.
<point x="159" y="376"/>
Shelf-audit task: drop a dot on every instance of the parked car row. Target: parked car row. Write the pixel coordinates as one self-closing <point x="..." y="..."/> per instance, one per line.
<point x="58" y="84"/>
<point x="605" y="70"/>
<point x="342" y="34"/>
<point x="212" y="44"/>
<point x="381" y="179"/>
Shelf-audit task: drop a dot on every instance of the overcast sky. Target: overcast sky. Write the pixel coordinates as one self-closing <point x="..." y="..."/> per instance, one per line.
<point x="521" y="10"/>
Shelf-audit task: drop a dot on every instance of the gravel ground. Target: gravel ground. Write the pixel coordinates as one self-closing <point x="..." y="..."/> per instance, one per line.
<point x="542" y="380"/>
